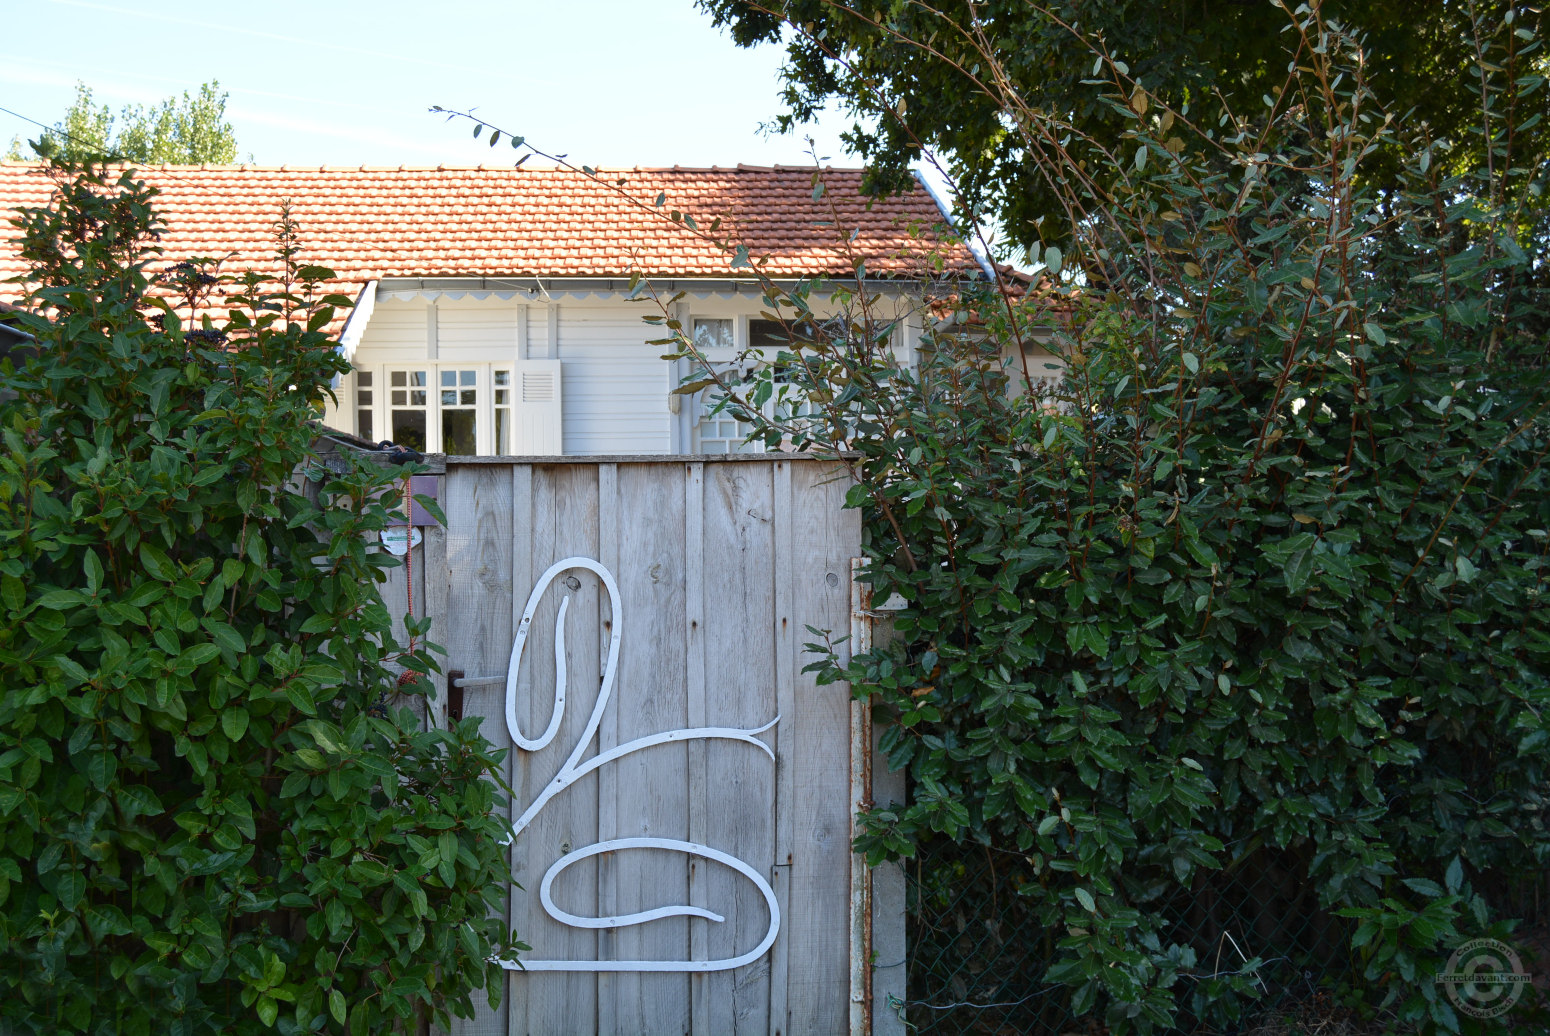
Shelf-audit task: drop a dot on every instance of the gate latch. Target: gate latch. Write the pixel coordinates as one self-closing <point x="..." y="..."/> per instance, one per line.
<point x="456" y="682"/>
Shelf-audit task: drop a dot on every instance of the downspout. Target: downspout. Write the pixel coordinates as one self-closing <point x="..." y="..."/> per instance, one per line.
<point x="946" y="210"/>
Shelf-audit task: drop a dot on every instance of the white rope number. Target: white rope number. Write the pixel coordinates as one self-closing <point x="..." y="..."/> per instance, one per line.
<point x="574" y="769"/>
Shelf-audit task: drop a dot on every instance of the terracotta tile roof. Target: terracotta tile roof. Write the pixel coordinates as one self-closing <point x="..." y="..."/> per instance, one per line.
<point x="369" y="223"/>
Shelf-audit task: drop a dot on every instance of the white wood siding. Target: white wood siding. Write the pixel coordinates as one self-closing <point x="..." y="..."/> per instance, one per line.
<point x="616" y="390"/>
<point x="476" y="330"/>
<point x="397" y="331"/>
<point x="616" y="386"/>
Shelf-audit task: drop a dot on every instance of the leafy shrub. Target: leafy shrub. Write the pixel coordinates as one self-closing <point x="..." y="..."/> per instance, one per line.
<point x="1265" y="577"/>
<point x="215" y="816"/>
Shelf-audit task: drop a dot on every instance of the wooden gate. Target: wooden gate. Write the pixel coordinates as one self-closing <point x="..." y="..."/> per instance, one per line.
<point x="713" y="803"/>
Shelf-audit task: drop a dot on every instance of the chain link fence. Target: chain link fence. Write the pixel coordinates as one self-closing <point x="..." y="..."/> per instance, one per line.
<point x="978" y="954"/>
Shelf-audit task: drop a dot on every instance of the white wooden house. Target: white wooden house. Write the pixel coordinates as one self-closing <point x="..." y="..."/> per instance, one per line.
<point x="492" y="315"/>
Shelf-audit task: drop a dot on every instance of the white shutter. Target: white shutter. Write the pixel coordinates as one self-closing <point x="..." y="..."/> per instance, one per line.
<point x="536" y="427"/>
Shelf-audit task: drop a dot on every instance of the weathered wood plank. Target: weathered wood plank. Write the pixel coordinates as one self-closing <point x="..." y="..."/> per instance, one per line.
<point x="608" y="518"/>
<point x="522" y="576"/>
<point x="785" y="634"/>
<point x="817" y="985"/>
<point x="739" y="624"/>
<point x="564" y="525"/>
<point x="780" y="953"/>
<point x="475" y="625"/>
<point x="698" y="790"/>
<point x="652" y="697"/>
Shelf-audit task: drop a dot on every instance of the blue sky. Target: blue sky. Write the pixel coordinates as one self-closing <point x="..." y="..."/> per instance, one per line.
<point x="343" y="82"/>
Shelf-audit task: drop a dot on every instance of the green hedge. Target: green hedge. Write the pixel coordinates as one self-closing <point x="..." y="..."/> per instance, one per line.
<point x="217" y="812"/>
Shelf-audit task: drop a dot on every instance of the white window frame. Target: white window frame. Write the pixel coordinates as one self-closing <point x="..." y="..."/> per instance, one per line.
<point x="702" y="401"/>
<point x="484" y="410"/>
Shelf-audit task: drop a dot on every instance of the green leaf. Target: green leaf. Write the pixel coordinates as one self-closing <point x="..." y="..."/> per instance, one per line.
<point x="318" y="623"/>
<point x="268" y="1009"/>
<point x="431" y="507"/>
<point x="226" y="636"/>
<point x="59" y="600"/>
<point x="311" y="758"/>
<point x="336" y="1006"/>
<point x="368" y="872"/>
<point x="234" y="722"/>
<point x="1298" y="570"/>
<point x="69" y="888"/>
<point x="100" y="769"/>
<point x="1086" y="899"/>
<point x="301" y="699"/>
<point x="156" y="563"/>
<point x="1425" y="887"/>
<point x="73" y="672"/>
<point x="12" y="593"/>
<point x="196" y="656"/>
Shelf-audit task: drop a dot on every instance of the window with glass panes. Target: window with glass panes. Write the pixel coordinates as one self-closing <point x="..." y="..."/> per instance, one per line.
<point x="718" y="432"/>
<point x="409" y="408"/>
<point x="462" y="409"/>
<point x="504" y="401"/>
<point x="459" y="412"/>
<point x="364" y="423"/>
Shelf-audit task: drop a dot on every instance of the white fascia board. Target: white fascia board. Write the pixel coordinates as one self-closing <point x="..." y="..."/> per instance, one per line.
<point x="355" y="323"/>
<point x="946" y="209"/>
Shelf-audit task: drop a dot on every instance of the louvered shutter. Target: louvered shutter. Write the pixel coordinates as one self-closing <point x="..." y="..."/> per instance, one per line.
<point x="537" y="423"/>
